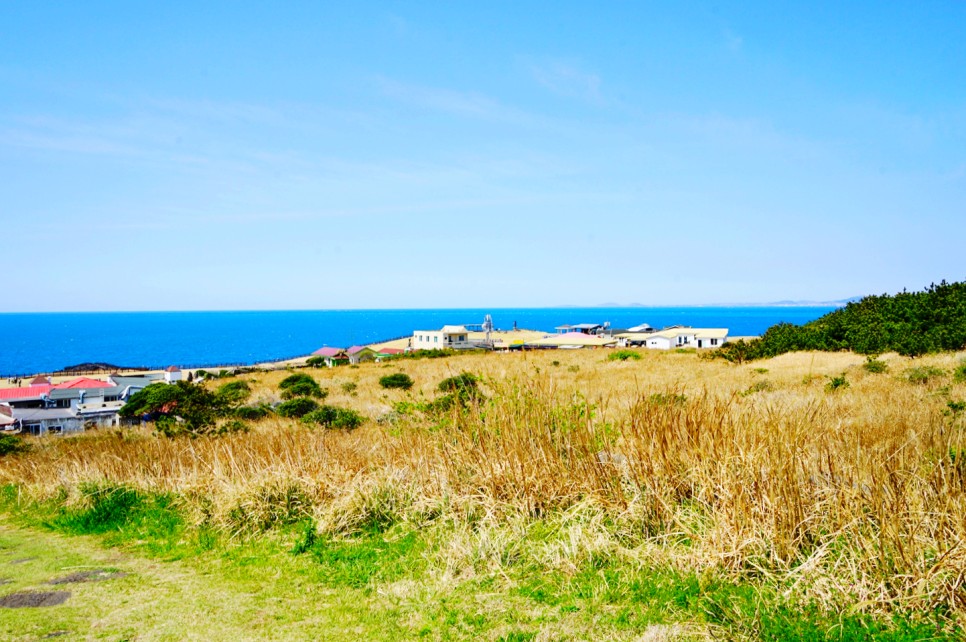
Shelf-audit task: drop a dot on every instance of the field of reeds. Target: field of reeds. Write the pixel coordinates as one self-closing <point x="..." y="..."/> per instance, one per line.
<point x="828" y="483"/>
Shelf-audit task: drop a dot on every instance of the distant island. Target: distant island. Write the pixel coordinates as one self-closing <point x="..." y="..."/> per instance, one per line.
<point x="776" y="304"/>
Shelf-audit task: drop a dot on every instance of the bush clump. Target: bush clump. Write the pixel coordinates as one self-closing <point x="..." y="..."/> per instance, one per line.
<point x="11" y="445"/>
<point x="231" y="426"/>
<point x="875" y="366"/>
<point x="233" y="393"/>
<point x="836" y="383"/>
<point x="959" y="373"/>
<point x="253" y="413"/>
<point x="295" y="408"/>
<point x="924" y="374"/>
<point x="301" y="385"/>
<point x="624" y="355"/>
<point x="333" y="417"/>
<point x="759" y="386"/>
<point x="463" y="382"/>
<point x="399" y="380"/>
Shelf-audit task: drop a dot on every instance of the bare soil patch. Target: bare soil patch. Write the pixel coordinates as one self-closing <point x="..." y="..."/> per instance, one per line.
<point x="33" y="599"/>
<point x="97" y="575"/>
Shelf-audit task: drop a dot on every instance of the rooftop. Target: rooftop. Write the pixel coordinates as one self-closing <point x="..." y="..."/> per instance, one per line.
<point x="82" y="383"/>
<point x="327" y="352"/>
<point x="28" y="392"/>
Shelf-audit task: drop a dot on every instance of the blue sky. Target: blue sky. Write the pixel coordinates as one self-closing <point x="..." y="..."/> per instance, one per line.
<point x="193" y="156"/>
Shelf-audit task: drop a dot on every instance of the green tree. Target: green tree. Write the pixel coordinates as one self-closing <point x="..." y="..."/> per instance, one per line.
<point x="188" y="405"/>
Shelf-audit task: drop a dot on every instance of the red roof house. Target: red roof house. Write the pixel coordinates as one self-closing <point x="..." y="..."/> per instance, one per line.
<point x="28" y="392"/>
<point x="82" y="383"/>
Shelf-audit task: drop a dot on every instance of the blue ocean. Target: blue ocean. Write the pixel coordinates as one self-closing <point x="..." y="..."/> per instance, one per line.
<point x="46" y="342"/>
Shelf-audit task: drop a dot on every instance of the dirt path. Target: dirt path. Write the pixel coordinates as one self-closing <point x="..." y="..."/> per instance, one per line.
<point x="70" y="588"/>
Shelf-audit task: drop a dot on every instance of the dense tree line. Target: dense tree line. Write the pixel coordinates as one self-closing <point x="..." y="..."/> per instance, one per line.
<point x="910" y="323"/>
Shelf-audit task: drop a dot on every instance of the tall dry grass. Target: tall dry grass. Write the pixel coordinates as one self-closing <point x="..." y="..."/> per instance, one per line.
<point x="852" y="495"/>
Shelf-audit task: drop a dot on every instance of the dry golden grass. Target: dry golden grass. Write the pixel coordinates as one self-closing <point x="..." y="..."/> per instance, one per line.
<point x="850" y="496"/>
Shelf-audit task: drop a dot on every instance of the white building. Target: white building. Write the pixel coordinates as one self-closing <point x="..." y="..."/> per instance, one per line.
<point x="682" y="337"/>
<point x="172" y="374"/>
<point x="450" y="336"/>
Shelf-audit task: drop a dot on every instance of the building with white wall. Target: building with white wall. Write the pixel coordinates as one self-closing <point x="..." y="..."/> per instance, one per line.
<point x="683" y="337"/>
<point x="450" y="336"/>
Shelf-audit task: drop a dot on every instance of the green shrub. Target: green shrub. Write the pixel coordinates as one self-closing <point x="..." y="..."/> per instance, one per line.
<point x="298" y="407"/>
<point x="430" y="354"/>
<point x="233" y="393"/>
<point x="397" y="380"/>
<point x="836" y="383"/>
<point x="231" y="426"/>
<point x="875" y="366"/>
<point x="301" y="385"/>
<point x="253" y="413"/>
<point x="464" y="381"/>
<point x="333" y="417"/>
<point x="924" y="374"/>
<point x="667" y="399"/>
<point x="349" y="387"/>
<point x="761" y="370"/>
<point x="315" y="362"/>
<point x="295" y="379"/>
<point x="759" y="386"/>
<point x="624" y="355"/>
<point x="305" y="389"/>
<point x="11" y="445"/>
<point x="959" y="373"/>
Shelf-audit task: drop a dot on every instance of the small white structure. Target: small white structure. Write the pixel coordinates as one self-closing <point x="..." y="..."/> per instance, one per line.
<point x="450" y="336"/>
<point x="172" y="374"/>
<point x="102" y="414"/>
<point x="682" y="337"/>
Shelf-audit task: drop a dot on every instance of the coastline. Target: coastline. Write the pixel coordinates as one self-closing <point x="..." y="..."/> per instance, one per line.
<point x="45" y="343"/>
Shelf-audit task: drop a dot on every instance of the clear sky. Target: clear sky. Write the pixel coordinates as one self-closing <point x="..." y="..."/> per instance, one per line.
<point x="185" y="155"/>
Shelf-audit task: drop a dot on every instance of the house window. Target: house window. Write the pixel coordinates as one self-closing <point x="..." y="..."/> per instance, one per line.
<point x="714" y="342"/>
<point x="435" y="339"/>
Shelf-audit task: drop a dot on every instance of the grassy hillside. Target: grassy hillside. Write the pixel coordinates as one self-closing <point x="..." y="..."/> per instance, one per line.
<point x="909" y="323"/>
<point x="571" y="497"/>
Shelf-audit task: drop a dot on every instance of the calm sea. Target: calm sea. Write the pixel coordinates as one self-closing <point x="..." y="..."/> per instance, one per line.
<point x="45" y="342"/>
